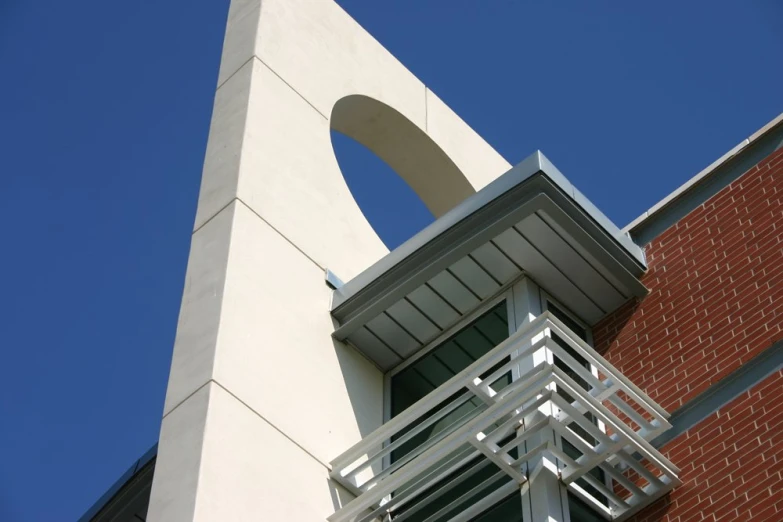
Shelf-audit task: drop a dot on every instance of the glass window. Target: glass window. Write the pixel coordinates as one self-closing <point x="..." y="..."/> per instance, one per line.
<point x="443" y="363"/>
<point x="580" y="511"/>
<point x="478" y="477"/>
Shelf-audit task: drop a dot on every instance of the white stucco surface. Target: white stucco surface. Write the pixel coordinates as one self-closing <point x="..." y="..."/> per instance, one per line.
<point x="178" y="466"/>
<point x="251" y="471"/>
<point x="276" y="353"/>
<point x="199" y="319"/>
<point x="260" y="397"/>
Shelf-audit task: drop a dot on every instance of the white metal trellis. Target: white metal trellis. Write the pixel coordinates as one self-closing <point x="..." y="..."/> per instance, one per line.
<point x="544" y="398"/>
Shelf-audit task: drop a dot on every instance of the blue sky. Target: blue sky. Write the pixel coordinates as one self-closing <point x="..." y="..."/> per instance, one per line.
<point x="104" y="113"/>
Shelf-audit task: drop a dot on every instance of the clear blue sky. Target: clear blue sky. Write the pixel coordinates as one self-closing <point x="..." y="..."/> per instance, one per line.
<point x="104" y="113"/>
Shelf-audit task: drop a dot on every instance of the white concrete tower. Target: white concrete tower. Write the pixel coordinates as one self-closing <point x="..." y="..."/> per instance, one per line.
<point x="260" y="397"/>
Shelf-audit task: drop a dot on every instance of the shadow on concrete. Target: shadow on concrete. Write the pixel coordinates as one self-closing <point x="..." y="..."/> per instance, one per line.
<point x="364" y="384"/>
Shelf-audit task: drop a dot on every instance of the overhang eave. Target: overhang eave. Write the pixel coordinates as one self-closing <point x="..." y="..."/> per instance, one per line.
<point x="531" y="220"/>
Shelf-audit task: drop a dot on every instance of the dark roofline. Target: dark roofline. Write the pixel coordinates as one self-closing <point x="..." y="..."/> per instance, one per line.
<point x="141" y="466"/>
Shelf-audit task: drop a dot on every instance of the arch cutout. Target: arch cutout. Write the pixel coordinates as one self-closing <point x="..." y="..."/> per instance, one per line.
<point x="393" y="210"/>
<point x="407" y="151"/>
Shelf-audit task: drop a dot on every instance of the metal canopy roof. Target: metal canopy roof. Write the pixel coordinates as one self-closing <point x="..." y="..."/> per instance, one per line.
<point x="530" y="220"/>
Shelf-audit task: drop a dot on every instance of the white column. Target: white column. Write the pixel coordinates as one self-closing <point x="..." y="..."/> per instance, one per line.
<point x="546" y="498"/>
<point x="260" y="397"/>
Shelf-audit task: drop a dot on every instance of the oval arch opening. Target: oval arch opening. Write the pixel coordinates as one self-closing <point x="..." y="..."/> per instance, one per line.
<point x="402" y="148"/>
<point x="391" y="207"/>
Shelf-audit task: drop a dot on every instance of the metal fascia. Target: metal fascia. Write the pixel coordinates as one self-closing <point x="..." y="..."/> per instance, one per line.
<point x="533" y="184"/>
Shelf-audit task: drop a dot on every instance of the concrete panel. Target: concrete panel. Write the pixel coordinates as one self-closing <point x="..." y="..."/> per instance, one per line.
<point x="176" y="480"/>
<point x="290" y="177"/>
<point x="275" y="349"/>
<point x="224" y="147"/>
<point x="323" y="54"/>
<point x="252" y="472"/>
<point x="316" y="52"/>
<point x="199" y="317"/>
<point x="240" y="40"/>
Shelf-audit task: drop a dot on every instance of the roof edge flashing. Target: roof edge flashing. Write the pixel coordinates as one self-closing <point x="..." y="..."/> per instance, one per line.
<point x="518" y="174"/>
<point x="700" y="180"/>
<point x="621" y="236"/>
<point x="625" y="251"/>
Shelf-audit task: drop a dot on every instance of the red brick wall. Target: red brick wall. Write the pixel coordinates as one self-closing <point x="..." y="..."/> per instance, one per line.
<point x="731" y="463"/>
<point x="716" y="301"/>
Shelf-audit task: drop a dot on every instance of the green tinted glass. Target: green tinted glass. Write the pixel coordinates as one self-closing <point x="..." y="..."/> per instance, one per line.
<point x="479" y="477"/>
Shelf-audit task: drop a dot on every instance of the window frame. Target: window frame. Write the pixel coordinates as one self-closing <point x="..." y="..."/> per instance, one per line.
<point x="503" y="294"/>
